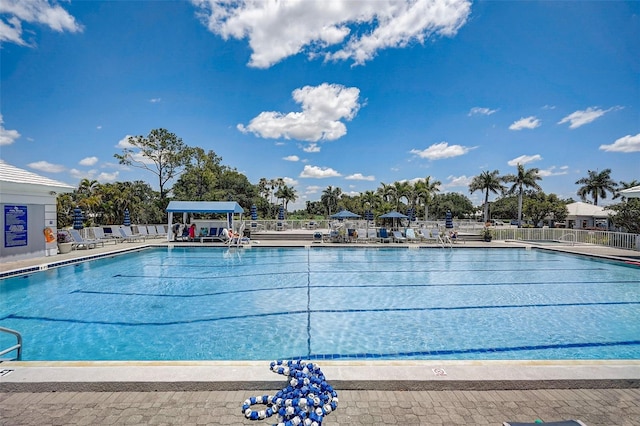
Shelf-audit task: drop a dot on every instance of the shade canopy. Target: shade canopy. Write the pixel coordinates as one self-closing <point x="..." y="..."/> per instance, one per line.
<point x="127" y="218"/>
<point x="204" y="207"/>
<point x="254" y="212"/>
<point x="281" y="213"/>
<point x="344" y="214"/>
<point x="394" y="215"/>
<point x="633" y="192"/>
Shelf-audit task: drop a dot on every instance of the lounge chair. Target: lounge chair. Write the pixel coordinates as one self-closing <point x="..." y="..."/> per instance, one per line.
<point x="255" y="227"/>
<point x="398" y="237"/>
<point x="128" y="236"/>
<point x="161" y="230"/>
<point x="281" y="226"/>
<point x="151" y="231"/>
<point x="410" y="234"/>
<point x="318" y="237"/>
<point x="79" y="242"/>
<point x="362" y="236"/>
<point x="372" y="235"/>
<point x="99" y="234"/>
<point x="216" y="234"/>
<point x="560" y="423"/>
<point x="351" y="235"/>
<point x="384" y="236"/>
<point x="142" y="230"/>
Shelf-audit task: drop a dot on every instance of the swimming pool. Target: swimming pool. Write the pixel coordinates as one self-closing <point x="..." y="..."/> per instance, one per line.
<point x="196" y="303"/>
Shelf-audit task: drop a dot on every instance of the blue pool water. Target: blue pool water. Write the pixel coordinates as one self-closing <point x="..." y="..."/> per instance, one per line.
<point x="326" y="303"/>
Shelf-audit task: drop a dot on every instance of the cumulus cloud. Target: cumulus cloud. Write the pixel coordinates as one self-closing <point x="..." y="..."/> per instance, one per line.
<point x="312" y="147"/>
<point x="291" y="158"/>
<point x="441" y="150"/>
<point x="89" y="161"/>
<point x="17" y="12"/>
<point x="580" y="118"/>
<point x="335" y="30"/>
<point x="93" y="174"/>
<point x="525" y="123"/>
<point x="481" y="111"/>
<point x="457" y="181"/>
<point x="155" y="100"/>
<point x="7" y="137"/>
<point x="124" y="142"/>
<point x="289" y="181"/>
<point x="318" y="172"/>
<point x="554" y="171"/>
<point x="312" y="189"/>
<point x="360" y="176"/>
<point x="624" y="144"/>
<point x="524" y="159"/>
<point x="322" y="109"/>
<point x="45" y="166"/>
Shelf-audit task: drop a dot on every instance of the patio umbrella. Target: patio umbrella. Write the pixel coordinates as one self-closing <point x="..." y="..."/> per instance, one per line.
<point x="368" y="215"/>
<point x="254" y="212"/>
<point x="448" y="220"/>
<point x="281" y="213"/>
<point x="633" y="192"/>
<point x="77" y="218"/>
<point x="127" y="218"/>
<point x="344" y="214"/>
<point x="412" y="214"/>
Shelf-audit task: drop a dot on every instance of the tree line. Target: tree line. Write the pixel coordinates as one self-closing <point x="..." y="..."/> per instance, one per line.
<point x="199" y="175"/>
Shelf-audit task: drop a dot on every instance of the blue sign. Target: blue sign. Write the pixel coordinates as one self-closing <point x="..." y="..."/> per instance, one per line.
<point x="15" y="226"/>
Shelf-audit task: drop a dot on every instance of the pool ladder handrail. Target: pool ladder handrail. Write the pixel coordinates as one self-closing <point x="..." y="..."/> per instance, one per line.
<point x="568" y="234"/>
<point x="17" y="347"/>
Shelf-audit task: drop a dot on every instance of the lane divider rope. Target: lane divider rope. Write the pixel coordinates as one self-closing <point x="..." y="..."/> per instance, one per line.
<point x="306" y="400"/>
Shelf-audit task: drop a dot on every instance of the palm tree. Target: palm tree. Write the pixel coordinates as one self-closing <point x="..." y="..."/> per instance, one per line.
<point x="330" y="197"/>
<point x="596" y="185"/>
<point x="369" y="198"/>
<point x="487" y="182"/>
<point x="425" y="189"/>
<point x="625" y="185"/>
<point x="524" y="178"/>
<point x="286" y="194"/>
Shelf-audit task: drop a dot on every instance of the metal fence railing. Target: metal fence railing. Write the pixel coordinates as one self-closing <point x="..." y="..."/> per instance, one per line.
<point x="572" y="236"/>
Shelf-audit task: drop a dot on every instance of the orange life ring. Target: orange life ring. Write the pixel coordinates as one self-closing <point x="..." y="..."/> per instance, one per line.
<point x="48" y="235"/>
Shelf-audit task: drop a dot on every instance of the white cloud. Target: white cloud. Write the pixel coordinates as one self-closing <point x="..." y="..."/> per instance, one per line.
<point x="99" y="127"/>
<point x="360" y="176"/>
<point x="580" y="118"/>
<point x="289" y="181"/>
<point x="124" y="142"/>
<point x="624" y="144"/>
<point x="312" y="147"/>
<point x="554" y="171"/>
<point x="45" y="166"/>
<point x="155" y="100"/>
<point x="481" y="111"/>
<point x="322" y="109"/>
<point x="318" y="172"/>
<point x="89" y="161"/>
<point x="336" y="30"/>
<point x="291" y="158"/>
<point x="525" y="123"/>
<point x="107" y="177"/>
<point x="457" y="181"/>
<point x="441" y="150"/>
<point x="17" y="12"/>
<point x="524" y="159"/>
<point x="7" y="137"/>
<point x="312" y="189"/>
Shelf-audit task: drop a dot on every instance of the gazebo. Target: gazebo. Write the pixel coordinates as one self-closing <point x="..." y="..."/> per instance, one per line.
<point x="230" y="208"/>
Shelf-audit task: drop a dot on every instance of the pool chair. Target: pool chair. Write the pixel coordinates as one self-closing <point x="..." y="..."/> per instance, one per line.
<point x="398" y="238"/>
<point x="372" y="235"/>
<point x="317" y="237"/>
<point x="161" y="231"/>
<point x="99" y="234"/>
<point x="129" y="236"/>
<point x="351" y="235"/>
<point x="79" y="242"/>
<point x="142" y="230"/>
<point x="362" y="236"/>
<point x="255" y="227"/>
<point x="151" y="231"/>
<point x="560" y="423"/>
<point x="383" y="236"/>
<point x="411" y="236"/>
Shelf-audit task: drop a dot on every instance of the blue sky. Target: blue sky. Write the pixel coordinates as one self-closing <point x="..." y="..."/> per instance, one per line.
<point x="347" y="93"/>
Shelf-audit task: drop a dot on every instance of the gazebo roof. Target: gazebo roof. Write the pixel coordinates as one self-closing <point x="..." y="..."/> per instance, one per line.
<point x="204" y="207"/>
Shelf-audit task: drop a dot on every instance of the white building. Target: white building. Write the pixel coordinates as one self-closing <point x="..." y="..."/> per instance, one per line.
<point x="28" y="203"/>
<point x="584" y="215"/>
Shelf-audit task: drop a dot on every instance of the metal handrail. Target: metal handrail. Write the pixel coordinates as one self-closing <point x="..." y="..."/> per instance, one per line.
<point x="17" y="347"/>
<point x="573" y="241"/>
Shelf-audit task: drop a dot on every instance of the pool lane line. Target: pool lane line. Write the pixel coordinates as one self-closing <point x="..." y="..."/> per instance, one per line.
<point x="449" y="352"/>
<point x="308" y="303"/>
<point x="319" y="311"/>
<point x="337" y="271"/>
<point x="343" y="286"/>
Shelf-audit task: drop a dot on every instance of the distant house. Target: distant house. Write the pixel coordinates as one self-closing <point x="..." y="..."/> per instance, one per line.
<point x="28" y="203"/>
<point x="584" y="215"/>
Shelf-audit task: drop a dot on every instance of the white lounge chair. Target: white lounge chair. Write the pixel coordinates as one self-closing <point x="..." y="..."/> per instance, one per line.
<point x="398" y="237"/>
<point x="129" y="236"/>
<point x="80" y="242"/>
<point x="161" y="230"/>
<point x="372" y="235"/>
<point x="98" y="234"/>
<point x="410" y="234"/>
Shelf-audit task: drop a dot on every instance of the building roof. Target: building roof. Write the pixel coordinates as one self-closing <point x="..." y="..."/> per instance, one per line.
<point x="205" y="207"/>
<point x="587" y="210"/>
<point x="15" y="179"/>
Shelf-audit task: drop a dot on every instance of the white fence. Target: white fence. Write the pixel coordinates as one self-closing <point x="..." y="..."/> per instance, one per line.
<point x="572" y="236"/>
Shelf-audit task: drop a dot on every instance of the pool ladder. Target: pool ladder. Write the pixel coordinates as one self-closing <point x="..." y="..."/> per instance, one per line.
<point x="17" y="347"/>
<point x="572" y="239"/>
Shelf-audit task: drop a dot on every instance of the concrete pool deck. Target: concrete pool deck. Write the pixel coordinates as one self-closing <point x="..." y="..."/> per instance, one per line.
<point x="370" y="392"/>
